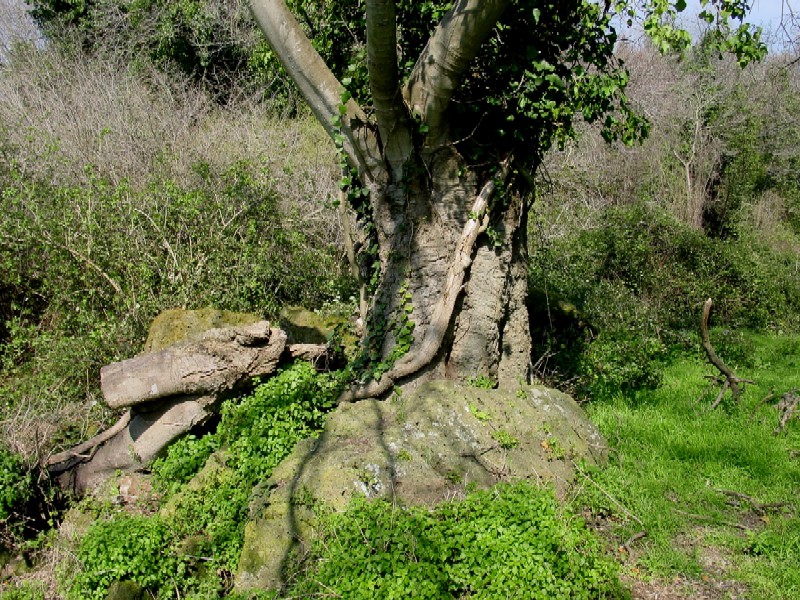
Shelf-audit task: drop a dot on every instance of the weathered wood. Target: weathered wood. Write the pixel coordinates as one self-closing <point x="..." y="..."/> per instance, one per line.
<point x="145" y="436"/>
<point x="218" y="361"/>
<point x="313" y="353"/>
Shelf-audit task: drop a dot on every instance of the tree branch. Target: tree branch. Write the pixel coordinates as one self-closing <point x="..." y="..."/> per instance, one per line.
<point x="77" y="451"/>
<point x="445" y="59"/>
<point x="319" y="87"/>
<point x="384" y="82"/>
<point x="731" y="380"/>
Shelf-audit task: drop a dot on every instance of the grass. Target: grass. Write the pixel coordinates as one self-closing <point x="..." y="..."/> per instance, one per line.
<point x="684" y="473"/>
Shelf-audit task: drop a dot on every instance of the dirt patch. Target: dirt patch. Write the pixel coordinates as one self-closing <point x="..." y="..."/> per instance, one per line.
<point x="682" y="588"/>
<point x="714" y="583"/>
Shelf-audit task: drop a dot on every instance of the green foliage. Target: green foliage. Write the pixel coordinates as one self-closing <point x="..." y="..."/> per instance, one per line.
<point x="636" y="281"/>
<point x="206" y="518"/>
<point x="483" y="382"/>
<point x="110" y="257"/>
<point x="673" y="461"/>
<point x="21" y="592"/>
<point x="509" y="541"/>
<point x="127" y="547"/>
<point x="15" y="485"/>
<point x="505" y="440"/>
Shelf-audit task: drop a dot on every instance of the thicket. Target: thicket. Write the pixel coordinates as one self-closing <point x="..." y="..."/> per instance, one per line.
<point x="626" y="243"/>
<point x="142" y="198"/>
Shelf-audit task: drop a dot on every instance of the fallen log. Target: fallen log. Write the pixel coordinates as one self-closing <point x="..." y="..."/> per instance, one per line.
<point x="168" y="393"/>
<point x="144" y="437"/>
<point x="219" y="360"/>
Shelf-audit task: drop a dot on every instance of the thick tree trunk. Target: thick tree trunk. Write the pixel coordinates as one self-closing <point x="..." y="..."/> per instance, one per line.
<point x="420" y="232"/>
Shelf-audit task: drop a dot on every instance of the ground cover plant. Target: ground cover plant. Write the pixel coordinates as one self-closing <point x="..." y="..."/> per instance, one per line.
<point x="510" y="541"/>
<point x="714" y="492"/>
<point x="161" y="552"/>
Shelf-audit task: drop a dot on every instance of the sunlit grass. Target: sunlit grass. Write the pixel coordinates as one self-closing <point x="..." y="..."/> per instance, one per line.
<point x="678" y="466"/>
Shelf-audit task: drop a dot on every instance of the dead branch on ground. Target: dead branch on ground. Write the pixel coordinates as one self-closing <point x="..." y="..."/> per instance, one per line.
<point x="760" y="508"/>
<point x="730" y="380"/>
<point x="787" y="407"/>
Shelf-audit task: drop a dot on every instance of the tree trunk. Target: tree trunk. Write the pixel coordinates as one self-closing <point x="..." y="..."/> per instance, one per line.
<point x="420" y="227"/>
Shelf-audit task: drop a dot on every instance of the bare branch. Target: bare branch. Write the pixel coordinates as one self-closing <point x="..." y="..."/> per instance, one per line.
<point x="390" y="110"/>
<point x="319" y="87"/>
<point x="78" y="451"/>
<point x="732" y="382"/>
<point x="445" y="59"/>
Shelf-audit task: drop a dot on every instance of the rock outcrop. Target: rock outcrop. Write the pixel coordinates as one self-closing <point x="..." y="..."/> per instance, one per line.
<point x="430" y="447"/>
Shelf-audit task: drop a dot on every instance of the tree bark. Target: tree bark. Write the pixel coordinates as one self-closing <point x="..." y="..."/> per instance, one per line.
<point x="216" y="362"/>
<point x="464" y="292"/>
<point x="450" y="239"/>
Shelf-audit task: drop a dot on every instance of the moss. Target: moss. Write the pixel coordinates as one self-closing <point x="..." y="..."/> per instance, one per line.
<point x="177" y="325"/>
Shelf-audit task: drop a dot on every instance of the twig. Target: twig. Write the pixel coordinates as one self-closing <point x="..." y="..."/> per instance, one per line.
<point x="786" y="409"/>
<point x="635" y="537"/>
<point x="91" y="444"/>
<point x="763" y="401"/>
<point x="609" y="496"/>
<point x="758" y="507"/>
<point x="711" y="519"/>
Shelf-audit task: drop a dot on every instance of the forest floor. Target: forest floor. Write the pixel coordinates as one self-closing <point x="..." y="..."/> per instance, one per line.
<point x="700" y="502"/>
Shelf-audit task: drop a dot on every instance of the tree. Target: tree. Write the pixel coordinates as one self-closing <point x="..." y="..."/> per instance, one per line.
<point x="441" y="149"/>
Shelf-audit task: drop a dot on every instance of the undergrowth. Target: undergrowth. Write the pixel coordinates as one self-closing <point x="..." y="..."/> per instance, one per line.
<point x="609" y="303"/>
<point x="192" y="545"/>
<point x="513" y="541"/>
<point x="698" y="481"/>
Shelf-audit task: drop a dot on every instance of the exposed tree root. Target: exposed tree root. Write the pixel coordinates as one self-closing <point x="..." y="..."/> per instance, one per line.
<point x="730" y="380"/>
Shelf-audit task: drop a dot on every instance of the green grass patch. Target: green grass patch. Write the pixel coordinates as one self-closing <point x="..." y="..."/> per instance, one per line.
<point x="695" y="479"/>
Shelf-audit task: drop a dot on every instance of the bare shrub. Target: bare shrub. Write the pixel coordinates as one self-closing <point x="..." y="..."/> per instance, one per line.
<point x="61" y="113"/>
<point x="16" y="26"/>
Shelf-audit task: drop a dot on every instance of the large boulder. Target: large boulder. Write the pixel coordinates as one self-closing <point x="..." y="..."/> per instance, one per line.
<point x="435" y="445"/>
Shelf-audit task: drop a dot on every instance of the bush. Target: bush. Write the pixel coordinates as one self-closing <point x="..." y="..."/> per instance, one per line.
<point x="511" y="541"/>
<point x="110" y="257"/>
<point x="15" y="485"/>
<point x="637" y="279"/>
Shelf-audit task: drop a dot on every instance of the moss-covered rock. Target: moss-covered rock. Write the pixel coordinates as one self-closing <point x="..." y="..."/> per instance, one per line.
<point x="303" y="326"/>
<point x="177" y="325"/>
<point x="437" y="444"/>
<point x="125" y="590"/>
